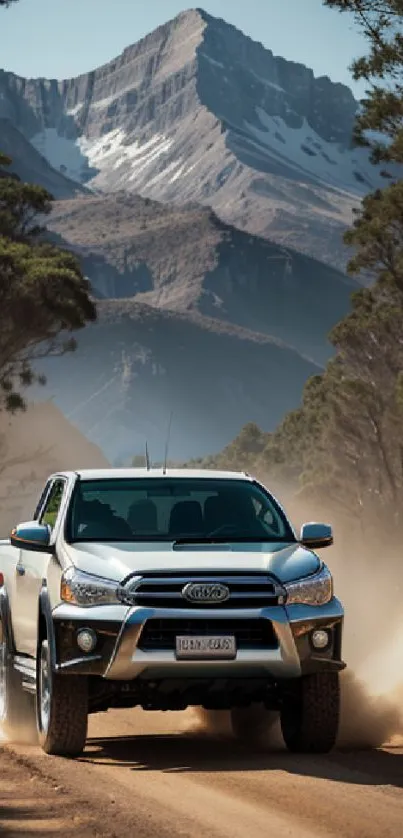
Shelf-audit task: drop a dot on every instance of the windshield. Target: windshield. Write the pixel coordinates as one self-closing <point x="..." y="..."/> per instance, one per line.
<point x="169" y="509"/>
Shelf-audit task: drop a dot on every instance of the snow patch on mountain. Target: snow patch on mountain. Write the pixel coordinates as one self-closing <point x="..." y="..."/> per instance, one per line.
<point x="304" y="149"/>
<point x="299" y="149"/>
<point x="62" y="153"/>
<point x="106" y="101"/>
<point x="76" y="110"/>
<point x="111" y="151"/>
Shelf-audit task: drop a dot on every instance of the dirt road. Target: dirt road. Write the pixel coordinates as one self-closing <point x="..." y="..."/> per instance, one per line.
<point x="145" y="774"/>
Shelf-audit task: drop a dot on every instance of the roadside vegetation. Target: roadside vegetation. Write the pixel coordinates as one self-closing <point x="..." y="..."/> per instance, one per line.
<point x="343" y="447"/>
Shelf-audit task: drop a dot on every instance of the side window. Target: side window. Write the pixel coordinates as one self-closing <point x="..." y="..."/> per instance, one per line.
<point x="41" y="501"/>
<point x="53" y="502"/>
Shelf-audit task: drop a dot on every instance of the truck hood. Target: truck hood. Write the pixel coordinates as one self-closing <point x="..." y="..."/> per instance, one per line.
<point x="115" y="561"/>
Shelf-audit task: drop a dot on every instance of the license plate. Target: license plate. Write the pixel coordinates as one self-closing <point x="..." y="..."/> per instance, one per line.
<point x="220" y="646"/>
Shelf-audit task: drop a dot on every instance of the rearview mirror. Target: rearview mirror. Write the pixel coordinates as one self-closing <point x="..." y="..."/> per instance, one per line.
<point x="32" y="536"/>
<point x="315" y="536"/>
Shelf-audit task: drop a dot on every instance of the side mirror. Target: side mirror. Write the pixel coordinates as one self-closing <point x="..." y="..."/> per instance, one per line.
<point x="32" y="536"/>
<point x="315" y="536"/>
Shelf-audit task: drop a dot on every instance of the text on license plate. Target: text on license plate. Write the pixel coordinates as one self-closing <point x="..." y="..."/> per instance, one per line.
<point x="220" y="646"/>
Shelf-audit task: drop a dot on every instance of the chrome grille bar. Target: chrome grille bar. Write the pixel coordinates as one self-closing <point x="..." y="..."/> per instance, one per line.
<point x="252" y="590"/>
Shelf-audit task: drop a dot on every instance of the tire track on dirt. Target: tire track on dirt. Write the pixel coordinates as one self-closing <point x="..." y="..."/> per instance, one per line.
<point x="144" y="772"/>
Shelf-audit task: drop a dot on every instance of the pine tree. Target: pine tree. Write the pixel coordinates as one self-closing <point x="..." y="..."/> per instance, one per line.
<point x="379" y="125"/>
<point x="43" y="293"/>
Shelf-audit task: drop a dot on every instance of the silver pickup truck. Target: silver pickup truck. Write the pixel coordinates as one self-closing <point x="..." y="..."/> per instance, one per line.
<point x="166" y="589"/>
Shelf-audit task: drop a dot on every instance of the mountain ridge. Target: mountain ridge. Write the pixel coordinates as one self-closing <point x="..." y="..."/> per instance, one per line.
<point x="198" y="111"/>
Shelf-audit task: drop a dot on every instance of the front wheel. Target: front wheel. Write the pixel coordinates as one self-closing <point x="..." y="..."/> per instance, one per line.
<point x="310" y="714"/>
<point x="62" y="708"/>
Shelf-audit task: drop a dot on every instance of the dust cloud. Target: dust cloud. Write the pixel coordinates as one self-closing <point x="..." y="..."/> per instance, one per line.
<point x="372" y="683"/>
<point x="371" y="712"/>
<point x="368" y="720"/>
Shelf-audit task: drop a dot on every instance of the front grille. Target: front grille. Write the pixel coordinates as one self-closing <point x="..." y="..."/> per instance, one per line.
<point x="252" y="591"/>
<point x="160" y="634"/>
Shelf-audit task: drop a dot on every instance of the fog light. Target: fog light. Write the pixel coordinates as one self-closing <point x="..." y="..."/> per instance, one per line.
<point x="320" y="638"/>
<point x="86" y="639"/>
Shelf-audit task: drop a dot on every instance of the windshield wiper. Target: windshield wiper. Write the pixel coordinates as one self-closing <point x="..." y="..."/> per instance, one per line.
<point x="225" y="539"/>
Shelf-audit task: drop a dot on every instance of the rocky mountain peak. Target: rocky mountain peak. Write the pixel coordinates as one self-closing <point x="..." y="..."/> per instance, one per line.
<point x="197" y="111"/>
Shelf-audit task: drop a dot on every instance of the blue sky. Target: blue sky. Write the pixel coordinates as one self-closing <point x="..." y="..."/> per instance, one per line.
<point x="63" y="38"/>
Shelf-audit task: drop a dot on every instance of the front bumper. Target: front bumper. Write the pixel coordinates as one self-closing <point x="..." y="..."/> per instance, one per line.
<point x="119" y="656"/>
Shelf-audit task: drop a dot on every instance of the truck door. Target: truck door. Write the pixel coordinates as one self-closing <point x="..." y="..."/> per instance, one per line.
<point x="30" y="570"/>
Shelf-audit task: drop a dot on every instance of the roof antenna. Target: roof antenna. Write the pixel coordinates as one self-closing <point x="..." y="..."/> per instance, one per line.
<point x="148" y="466"/>
<point x="164" y="470"/>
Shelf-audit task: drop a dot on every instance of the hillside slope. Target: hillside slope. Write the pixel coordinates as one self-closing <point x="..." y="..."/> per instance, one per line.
<point x="138" y="364"/>
<point x="186" y="259"/>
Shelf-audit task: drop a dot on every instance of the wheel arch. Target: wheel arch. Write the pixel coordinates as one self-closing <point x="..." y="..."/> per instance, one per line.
<point x="5" y="618"/>
<point x="46" y="629"/>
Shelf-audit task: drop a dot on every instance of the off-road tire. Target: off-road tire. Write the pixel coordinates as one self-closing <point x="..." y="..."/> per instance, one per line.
<point x="310" y="714"/>
<point x="252" y="725"/>
<point x="17" y="715"/>
<point x="65" y="733"/>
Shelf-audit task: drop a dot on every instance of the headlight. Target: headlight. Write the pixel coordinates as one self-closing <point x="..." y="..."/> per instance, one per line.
<point x="83" y="589"/>
<point x="314" y="590"/>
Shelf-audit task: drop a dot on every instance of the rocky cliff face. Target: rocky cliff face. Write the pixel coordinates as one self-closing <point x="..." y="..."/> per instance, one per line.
<point x="196" y="111"/>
